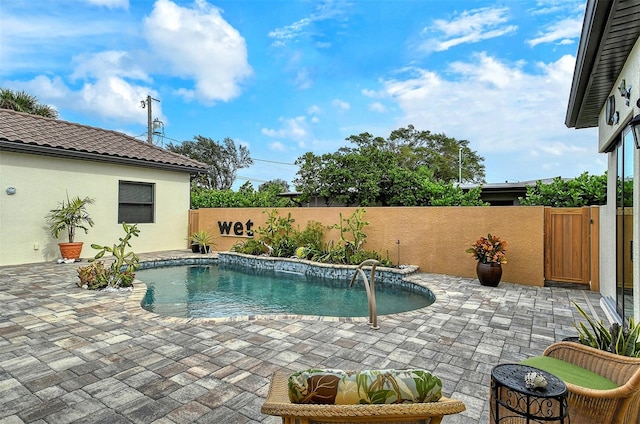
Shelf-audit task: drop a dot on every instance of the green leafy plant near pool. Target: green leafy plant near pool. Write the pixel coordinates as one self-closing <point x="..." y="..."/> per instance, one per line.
<point x="279" y="238"/>
<point x="203" y="240"/>
<point x="121" y="272"/>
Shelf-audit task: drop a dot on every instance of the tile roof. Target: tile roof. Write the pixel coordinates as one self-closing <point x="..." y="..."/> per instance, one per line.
<point x="27" y="133"/>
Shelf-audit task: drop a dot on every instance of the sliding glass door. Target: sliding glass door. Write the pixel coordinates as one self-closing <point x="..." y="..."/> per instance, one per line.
<point x="624" y="226"/>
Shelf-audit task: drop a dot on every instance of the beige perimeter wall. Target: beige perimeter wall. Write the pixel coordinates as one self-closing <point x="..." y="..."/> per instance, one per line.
<point x="434" y="238"/>
<point x="42" y="181"/>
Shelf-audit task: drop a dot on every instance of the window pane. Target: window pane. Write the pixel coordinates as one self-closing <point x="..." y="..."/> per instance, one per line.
<point x="135" y="214"/>
<point x="135" y="193"/>
<point x="135" y="202"/>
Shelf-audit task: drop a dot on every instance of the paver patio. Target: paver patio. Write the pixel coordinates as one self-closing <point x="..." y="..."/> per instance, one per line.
<point x="73" y="356"/>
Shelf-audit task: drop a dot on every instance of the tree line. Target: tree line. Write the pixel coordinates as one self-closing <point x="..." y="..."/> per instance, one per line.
<point x="408" y="168"/>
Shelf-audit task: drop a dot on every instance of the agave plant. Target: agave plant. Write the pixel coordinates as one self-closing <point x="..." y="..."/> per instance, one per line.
<point x="619" y="339"/>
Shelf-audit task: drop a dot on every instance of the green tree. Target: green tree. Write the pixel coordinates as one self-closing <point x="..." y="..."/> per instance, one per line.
<point x="20" y="101"/>
<point x="246" y="197"/>
<point x="584" y="190"/>
<point x="224" y="160"/>
<point x="393" y="171"/>
<point x="437" y="152"/>
<point x="277" y="185"/>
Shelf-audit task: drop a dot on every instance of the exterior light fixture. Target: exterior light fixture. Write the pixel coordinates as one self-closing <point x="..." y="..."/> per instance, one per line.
<point x="635" y="128"/>
<point x="625" y="91"/>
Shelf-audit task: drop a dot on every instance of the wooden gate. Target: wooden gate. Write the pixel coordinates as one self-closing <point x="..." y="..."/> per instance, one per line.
<point x="571" y="245"/>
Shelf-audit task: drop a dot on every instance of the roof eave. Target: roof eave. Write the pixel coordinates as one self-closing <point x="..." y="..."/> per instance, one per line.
<point x="595" y="21"/>
<point x="75" y="154"/>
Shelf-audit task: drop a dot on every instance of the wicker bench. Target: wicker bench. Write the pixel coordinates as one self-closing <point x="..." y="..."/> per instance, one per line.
<point x="278" y="404"/>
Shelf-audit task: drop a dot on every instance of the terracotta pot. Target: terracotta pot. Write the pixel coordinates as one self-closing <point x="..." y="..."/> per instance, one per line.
<point x="70" y="250"/>
<point x="489" y="274"/>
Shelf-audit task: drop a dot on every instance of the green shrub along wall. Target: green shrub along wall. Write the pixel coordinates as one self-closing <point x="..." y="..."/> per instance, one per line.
<point x="433" y="238"/>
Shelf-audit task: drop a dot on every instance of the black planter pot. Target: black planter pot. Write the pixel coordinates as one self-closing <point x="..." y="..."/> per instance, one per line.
<point x="195" y="248"/>
<point x="489" y="274"/>
<point x="204" y="249"/>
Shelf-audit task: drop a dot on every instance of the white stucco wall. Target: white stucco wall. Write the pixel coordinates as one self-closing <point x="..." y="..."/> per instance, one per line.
<point x="608" y="235"/>
<point x="42" y="181"/>
<point x="631" y="74"/>
<point x="607" y="135"/>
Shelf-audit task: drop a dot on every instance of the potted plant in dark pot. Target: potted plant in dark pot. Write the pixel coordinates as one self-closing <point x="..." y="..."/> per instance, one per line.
<point x="202" y="239"/>
<point x="69" y="216"/>
<point x="490" y="253"/>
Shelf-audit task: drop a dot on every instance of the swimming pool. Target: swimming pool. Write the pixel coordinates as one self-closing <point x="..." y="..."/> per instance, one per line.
<point x="216" y="291"/>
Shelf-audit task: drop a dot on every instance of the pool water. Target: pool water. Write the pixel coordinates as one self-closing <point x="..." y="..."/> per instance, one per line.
<point x="214" y="291"/>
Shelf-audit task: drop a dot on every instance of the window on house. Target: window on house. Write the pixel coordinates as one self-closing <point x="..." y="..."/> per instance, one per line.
<point x="136" y="202"/>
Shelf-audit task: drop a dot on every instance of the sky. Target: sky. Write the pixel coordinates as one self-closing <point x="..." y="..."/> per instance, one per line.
<point x="286" y="77"/>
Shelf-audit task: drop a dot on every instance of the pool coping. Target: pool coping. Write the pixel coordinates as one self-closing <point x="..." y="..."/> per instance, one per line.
<point x="133" y="304"/>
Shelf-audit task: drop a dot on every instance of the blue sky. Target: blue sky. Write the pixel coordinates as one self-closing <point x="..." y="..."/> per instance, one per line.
<point x="289" y="77"/>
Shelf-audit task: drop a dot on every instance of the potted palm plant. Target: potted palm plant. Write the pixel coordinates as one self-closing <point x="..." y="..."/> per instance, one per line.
<point x="490" y="252"/>
<point x="69" y="216"/>
<point x="203" y="239"/>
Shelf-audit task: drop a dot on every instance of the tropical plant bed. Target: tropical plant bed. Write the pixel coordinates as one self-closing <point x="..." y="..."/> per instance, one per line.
<point x="317" y="269"/>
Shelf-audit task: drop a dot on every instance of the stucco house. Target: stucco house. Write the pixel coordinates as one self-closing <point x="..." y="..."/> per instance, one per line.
<point x="605" y="93"/>
<point x="42" y="160"/>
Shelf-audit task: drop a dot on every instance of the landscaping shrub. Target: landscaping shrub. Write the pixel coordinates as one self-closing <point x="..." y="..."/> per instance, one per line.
<point x="279" y="238"/>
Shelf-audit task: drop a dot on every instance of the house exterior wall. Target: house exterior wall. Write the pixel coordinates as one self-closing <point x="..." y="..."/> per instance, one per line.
<point x="41" y="182"/>
<point x="608" y="234"/>
<point x="607" y="136"/>
<point x="434" y="238"/>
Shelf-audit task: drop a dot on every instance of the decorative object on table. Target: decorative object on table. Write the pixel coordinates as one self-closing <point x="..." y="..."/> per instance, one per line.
<point x="69" y="216"/>
<point x="512" y="400"/>
<point x="490" y="252"/>
<point x="535" y="381"/>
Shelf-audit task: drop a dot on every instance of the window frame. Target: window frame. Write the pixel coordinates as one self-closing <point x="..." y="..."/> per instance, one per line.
<point x="142" y="204"/>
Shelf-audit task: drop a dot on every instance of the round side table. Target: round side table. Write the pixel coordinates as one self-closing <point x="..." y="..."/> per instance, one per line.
<point x="511" y="401"/>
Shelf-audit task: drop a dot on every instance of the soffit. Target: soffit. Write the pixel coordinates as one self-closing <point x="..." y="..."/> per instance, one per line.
<point x="610" y="30"/>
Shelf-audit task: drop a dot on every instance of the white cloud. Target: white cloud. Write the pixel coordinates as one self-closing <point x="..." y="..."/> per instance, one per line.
<point x="563" y="32"/>
<point x="118" y="99"/>
<point x="468" y="27"/>
<point x="277" y="146"/>
<point x="108" y="64"/>
<point x="377" y="107"/>
<point x="288" y="32"/>
<point x="292" y="128"/>
<point x="324" y="11"/>
<point x="340" y="104"/>
<point x="303" y="79"/>
<point x="198" y="44"/>
<point x="372" y="93"/>
<point x="509" y="116"/>
<point x="189" y="43"/>
<point x="110" y="97"/>
<point x="111" y="4"/>
<point x="314" y="110"/>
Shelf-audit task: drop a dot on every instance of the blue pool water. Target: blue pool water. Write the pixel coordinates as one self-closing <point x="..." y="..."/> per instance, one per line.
<point x="214" y="291"/>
